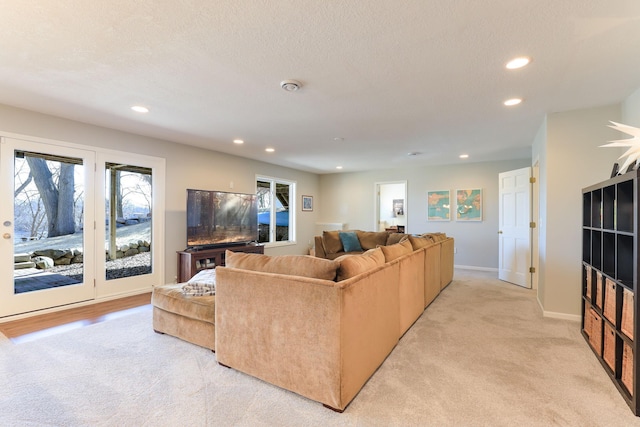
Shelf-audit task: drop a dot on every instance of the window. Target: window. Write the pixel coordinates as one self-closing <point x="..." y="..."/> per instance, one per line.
<point x="276" y="210"/>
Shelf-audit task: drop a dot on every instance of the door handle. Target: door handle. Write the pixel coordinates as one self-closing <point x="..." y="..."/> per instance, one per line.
<point x="500" y="232"/>
<point x="6" y="235"/>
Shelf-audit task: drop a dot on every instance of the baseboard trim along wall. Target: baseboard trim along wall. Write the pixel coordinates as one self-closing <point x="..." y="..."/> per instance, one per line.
<point x="472" y="267"/>
<point x="556" y="315"/>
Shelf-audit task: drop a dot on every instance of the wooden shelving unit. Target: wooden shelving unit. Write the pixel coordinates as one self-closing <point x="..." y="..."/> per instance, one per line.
<point x="190" y="262"/>
<point x="610" y="279"/>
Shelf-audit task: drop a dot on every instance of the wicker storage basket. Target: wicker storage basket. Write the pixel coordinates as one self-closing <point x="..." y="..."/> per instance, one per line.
<point x="587" y="319"/>
<point x="609" y="347"/>
<point x="599" y="289"/>
<point x="587" y="269"/>
<point x="595" y="337"/>
<point x="626" y="324"/>
<point x="627" y="368"/>
<point x="610" y="300"/>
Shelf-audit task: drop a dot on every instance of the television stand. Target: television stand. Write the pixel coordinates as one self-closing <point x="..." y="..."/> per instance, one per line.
<point x="192" y="261"/>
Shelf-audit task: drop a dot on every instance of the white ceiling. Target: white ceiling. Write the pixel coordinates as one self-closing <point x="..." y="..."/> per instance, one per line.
<point x="390" y="77"/>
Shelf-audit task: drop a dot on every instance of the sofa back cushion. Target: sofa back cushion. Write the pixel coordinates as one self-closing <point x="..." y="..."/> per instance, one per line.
<point x="420" y="242"/>
<point x="396" y="238"/>
<point x="392" y="252"/>
<point x="352" y="265"/>
<point x="350" y="241"/>
<point x="332" y="242"/>
<point x="372" y="239"/>
<point x="293" y="265"/>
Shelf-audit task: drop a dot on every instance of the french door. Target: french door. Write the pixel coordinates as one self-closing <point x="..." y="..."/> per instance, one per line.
<point x="77" y="224"/>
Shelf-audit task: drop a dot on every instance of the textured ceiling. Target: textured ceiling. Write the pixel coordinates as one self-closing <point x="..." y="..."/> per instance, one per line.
<point x="390" y="77"/>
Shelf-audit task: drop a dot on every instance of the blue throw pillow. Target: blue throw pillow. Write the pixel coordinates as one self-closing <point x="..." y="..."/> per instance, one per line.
<point x="350" y="241"/>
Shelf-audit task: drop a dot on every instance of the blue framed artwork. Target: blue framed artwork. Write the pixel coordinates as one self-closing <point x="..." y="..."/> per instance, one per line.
<point x="469" y="205"/>
<point x="439" y="207"/>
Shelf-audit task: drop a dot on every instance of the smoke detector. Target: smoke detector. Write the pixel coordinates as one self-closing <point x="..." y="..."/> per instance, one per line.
<point x="290" y="85"/>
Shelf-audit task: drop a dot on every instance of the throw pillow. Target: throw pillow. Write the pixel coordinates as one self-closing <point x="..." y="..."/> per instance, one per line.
<point x="396" y="238"/>
<point x="350" y="241"/>
<point x="372" y="239"/>
<point x="352" y="265"/>
<point x="292" y="265"/>
<point x="331" y="241"/>
<point x="203" y="283"/>
<point x="420" y="242"/>
<point x="396" y="251"/>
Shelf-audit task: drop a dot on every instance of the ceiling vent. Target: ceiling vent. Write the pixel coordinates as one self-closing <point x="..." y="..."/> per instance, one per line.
<point x="290" y="85"/>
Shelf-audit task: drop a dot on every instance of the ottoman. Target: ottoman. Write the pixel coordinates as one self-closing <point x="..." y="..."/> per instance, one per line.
<point x="190" y="318"/>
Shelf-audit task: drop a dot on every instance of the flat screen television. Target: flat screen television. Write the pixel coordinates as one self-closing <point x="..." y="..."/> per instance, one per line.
<point x="219" y="218"/>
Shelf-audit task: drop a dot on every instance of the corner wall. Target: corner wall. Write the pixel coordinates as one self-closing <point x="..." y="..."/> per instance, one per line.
<point x="570" y="159"/>
<point x="349" y="198"/>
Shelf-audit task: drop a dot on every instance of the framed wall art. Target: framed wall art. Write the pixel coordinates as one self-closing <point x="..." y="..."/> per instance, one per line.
<point x="469" y="205"/>
<point x="307" y="203"/>
<point x="439" y="207"/>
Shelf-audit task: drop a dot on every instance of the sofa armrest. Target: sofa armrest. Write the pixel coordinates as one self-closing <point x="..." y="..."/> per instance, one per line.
<point x="319" y="247"/>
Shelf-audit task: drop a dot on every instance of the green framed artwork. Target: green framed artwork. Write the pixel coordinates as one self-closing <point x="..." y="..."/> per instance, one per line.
<point x="469" y="205"/>
<point x="439" y="207"/>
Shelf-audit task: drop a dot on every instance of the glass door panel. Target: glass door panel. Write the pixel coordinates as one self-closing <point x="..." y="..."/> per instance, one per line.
<point x="43" y="227"/>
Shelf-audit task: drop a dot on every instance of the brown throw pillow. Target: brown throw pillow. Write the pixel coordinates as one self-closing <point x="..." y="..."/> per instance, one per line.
<point x="292" y="265"/>
<point x="332" y="242"/>
<point x="396" y="238"/>
<point x="372" y="239"/>
<point x="396" y="251"/>
<point x="352" y="265"/>
<point x="420" y="242"/>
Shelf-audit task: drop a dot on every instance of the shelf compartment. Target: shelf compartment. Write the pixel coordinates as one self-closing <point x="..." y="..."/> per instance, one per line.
<point x="609" y="347"/>
<point x="596" y="208"/>
<point x="595" y="337"/>
<point x="627" y="368"/>
<point x="625" y="261"/>
<point x="586" y="246"/>
<point x="609" y="207"/>
<point x="609" y="310"/>
<point x="586" y="320"/>
<point x="626" y="322"/>
<point x="609" y="253"/>
<point x="586" y="209"/>
<point x="625" y="209"/>
<point x="596" y="249"/>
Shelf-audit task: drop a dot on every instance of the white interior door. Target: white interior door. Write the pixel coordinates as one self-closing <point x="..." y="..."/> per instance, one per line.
<point x="514" y="233"/>
<point x="35" y="179"/>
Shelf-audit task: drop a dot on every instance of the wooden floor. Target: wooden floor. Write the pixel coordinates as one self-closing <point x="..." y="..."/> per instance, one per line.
<point x="50" y="323"/>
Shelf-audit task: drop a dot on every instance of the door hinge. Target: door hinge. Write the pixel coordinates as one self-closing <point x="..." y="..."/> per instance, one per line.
<point x="94" y="283"/>
<point x="532" y="180"/>
<point x="532" y="269"/>
<point x="532" y="225"/>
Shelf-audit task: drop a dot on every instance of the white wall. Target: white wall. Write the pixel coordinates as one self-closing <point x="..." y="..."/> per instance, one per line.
<point x="350" y="198"/>
<point x="186" y="167"/>
<point x="571" y="160"/>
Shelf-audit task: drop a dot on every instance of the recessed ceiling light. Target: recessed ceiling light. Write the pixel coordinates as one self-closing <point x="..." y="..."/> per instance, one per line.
<point x="513" y="101"/>
<point x="338" y="138"/>
<point x="140" y="109"/>
<point x="269" y="150"/>
<point x="338" y="167"/>
<point x="464" y="156"/>
<point x="519" y="62"/>
<point x="238" y="141"/>
<point x="412" y="153"/>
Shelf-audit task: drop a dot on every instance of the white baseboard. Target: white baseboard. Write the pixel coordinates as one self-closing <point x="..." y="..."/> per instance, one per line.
<point x="472" y="267"/>
<point x="556" y="315"/>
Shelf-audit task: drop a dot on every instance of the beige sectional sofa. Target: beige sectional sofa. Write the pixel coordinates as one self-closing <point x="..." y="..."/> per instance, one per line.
<point x="320" y="327"/>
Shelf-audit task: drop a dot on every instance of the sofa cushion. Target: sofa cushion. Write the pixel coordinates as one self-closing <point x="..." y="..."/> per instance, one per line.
<point x="294" y="265"/>
<point x="372" y="239"/>
<point x="396" y="251"/>
<point x="396" y="238"/>
<point x="332" y="242"/>
<point x="352" y="265"/>
<point x="350" y="241"/>
<point x="420" y="242"/>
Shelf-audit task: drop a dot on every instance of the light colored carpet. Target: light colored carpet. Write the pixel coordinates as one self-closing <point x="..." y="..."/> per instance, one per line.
<point x="480" y="355"/>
